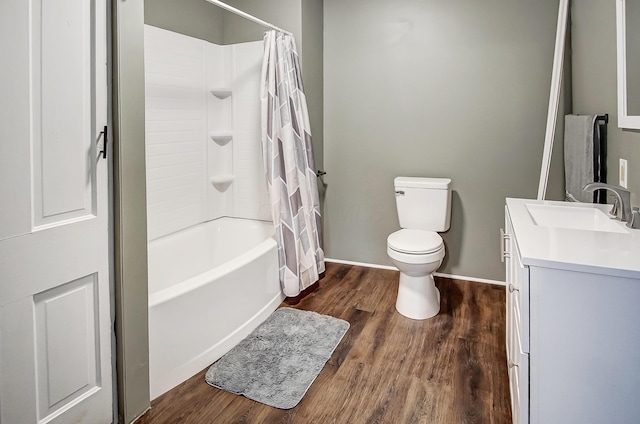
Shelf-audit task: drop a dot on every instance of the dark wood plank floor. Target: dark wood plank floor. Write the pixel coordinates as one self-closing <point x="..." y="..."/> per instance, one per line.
<point x="388" y="368"/>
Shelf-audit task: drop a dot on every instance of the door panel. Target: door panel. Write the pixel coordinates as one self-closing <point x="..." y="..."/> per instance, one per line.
<point x="66" y="337"/>
<point x="15" y="177"/>
<point x="55" y="308"/>
<point x="17" y="375"/>
<point x="63" y="146"/>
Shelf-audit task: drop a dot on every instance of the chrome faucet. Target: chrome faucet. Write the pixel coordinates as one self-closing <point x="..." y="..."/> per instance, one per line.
<point x="621" y="211"/>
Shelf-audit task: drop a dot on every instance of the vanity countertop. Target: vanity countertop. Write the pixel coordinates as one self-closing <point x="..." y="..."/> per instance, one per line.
<point x="599" y="252"/>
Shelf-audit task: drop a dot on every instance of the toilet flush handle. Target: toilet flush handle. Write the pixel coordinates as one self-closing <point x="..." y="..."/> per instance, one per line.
<point x="400" y="192"/>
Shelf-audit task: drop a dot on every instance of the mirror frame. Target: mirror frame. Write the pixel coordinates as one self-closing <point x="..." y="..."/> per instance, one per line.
<point x="624" y="120"/>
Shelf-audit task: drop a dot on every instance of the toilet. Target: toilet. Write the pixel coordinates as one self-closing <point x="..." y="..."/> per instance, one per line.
<point x="417" y="250"/>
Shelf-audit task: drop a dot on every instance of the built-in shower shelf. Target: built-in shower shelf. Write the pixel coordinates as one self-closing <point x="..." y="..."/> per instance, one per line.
<point x="221" y="92"/>
<point x="222" y="182"/>
<point x="222" y="137"/>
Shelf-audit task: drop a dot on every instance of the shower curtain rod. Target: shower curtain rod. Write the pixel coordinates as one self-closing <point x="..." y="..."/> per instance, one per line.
<point x="247" y="16"/>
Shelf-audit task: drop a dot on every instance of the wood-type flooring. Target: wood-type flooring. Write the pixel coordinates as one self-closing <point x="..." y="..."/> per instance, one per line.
<point x="388" y="368"/>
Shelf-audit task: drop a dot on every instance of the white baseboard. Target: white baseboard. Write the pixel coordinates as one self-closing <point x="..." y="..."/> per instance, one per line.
<point x="474" y="279"/>
<point x="340" y="261"/>
<point x="437" y="274"/>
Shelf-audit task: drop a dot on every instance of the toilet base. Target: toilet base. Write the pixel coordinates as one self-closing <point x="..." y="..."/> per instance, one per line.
<point x="418" y="297"/>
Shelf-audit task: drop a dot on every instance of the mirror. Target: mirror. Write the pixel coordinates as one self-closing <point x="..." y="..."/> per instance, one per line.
<point x="628" y="37"/>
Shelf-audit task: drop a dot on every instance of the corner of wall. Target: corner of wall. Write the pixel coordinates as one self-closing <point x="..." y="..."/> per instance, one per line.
<point x="130" y="240"/>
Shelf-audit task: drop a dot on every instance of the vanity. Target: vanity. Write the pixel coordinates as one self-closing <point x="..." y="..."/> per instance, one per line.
<point x="573" y="313"/>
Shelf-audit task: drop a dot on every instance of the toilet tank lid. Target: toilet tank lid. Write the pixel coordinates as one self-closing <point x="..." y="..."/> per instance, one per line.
<point x="419" y="182"/>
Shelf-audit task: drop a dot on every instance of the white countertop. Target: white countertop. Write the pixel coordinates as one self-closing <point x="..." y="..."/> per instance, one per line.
<point x="616" y="254"/>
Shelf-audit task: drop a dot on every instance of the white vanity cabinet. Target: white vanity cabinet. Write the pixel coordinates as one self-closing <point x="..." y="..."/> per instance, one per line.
<point x="573" y="328"/>
<point x="517" y="334"/>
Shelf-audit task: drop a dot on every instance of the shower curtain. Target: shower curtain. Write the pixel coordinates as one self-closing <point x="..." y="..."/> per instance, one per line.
<point x="290" y="166"/>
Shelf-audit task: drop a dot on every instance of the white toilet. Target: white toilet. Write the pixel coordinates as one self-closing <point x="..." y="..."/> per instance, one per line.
<point x="424" y="208"/>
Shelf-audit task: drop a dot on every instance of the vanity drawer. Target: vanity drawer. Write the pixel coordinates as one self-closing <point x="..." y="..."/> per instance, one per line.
<point x="519" y="388"/>
<point x="518" y="321"/>
<point x="519" y="378"/>
<point x="521" y="299"/>
<point x="513" y="319"/>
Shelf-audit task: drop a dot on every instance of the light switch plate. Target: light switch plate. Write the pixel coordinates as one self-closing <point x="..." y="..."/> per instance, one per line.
<point x="623" y="173"/>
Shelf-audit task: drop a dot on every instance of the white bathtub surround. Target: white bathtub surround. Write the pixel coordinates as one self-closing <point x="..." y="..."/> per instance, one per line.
<point x="209" y="287"/>
<point x="175" y="121"/>
<point x="290" y="166"/>
<point x="202" y="131"/>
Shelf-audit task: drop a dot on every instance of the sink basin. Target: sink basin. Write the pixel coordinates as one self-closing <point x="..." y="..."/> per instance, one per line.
<point x="574" y="217"/>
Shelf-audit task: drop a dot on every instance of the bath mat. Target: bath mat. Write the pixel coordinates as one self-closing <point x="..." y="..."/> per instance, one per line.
<point x="279" y="360"/>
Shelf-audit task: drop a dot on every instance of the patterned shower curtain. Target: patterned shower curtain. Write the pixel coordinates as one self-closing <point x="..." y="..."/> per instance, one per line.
<point x="290" y="166"/>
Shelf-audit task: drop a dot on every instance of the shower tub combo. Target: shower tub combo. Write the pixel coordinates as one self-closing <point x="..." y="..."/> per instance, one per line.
<point x="210" y="285"/>
<point x="213" y="278"/>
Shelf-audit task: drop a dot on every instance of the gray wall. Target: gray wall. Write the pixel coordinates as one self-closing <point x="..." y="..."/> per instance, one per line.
<point x="285" y="14"/>
<point x="434" y="88"/>
<point x="632" y="11"/>
<point x="593" y="26"/>
<point x="130" y="206"/>
<point x="201" y="19"/>
<point x="312" y="65"/>
<point x="195" y="18"/>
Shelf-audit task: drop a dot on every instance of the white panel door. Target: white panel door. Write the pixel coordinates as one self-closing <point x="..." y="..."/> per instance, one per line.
<point x="55" y="309"/>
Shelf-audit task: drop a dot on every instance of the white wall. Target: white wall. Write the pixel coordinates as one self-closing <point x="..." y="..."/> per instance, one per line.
<point x="175" y="124"/>
<point x="182" y="115"/>
<point x="250" y="188"/>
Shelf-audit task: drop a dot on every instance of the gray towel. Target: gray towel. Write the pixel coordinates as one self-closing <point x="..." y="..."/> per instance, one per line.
<point x="578" y="156"/>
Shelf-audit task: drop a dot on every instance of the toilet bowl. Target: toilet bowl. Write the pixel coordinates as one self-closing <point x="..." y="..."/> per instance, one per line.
<point x="417" y="254"/>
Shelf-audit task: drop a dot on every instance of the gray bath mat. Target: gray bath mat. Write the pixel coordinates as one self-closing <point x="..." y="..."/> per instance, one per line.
<point x="279" y="360"/>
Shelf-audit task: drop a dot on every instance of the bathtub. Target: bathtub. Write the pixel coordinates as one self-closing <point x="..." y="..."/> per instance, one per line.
<point x="209" y="286"/>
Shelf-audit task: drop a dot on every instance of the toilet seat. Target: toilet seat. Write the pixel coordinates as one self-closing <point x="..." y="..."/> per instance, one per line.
<point x="415" y="259"/>
<point x="415" y="242"/>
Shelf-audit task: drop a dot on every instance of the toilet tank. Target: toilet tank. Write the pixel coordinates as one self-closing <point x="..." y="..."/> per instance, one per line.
<point x="423" y="203"/>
